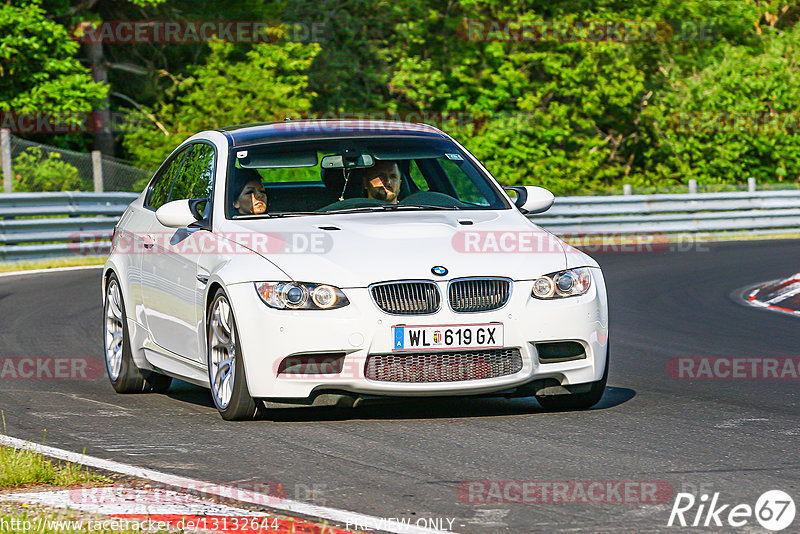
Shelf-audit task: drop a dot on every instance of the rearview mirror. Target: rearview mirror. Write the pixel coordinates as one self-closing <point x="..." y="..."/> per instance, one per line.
<point x="179" y="213"/>
<point x="354" y="161"/>
<point x="531" y="199"/>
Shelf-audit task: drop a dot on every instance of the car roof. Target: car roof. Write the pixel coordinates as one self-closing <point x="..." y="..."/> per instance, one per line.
<point x="288" y="130"/>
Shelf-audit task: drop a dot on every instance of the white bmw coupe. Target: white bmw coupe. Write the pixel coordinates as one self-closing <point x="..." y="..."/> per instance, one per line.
<point x="322" y="262"/>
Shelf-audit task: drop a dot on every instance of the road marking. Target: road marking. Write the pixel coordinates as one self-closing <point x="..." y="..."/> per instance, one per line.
<point x="53" y="270"/>
<point x="343" y="517"/>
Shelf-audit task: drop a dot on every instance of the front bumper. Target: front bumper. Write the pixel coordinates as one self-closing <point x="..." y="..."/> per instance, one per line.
<point x="268" y="336"/>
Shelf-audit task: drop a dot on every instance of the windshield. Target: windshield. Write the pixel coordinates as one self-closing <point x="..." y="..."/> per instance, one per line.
<point x="354" y="175"/>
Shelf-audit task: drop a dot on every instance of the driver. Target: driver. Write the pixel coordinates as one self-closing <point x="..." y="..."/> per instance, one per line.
<point x="252" y="198"/>
<point x="382" y="181"/>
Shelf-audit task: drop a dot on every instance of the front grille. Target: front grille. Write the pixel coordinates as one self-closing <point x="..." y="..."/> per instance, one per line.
<point x="407" y="298"/>
<point x="419" y="367"/>
<point x="479" y="294"/>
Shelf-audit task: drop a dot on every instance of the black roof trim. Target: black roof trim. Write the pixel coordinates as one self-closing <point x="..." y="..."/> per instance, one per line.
<point x="248" y="134"/>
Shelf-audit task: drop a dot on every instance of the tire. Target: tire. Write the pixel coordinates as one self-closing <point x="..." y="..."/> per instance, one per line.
<point x="125" y="377"/>
<point x="226" y="363"/>
<point x="577" y="401"/>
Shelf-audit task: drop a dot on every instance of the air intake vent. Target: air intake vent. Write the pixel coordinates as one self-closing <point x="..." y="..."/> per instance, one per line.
<point x="407" y="298"/>
<point x="443" y="366"/>
<point x="468" y="295"/>
<point x="560" y="351"/>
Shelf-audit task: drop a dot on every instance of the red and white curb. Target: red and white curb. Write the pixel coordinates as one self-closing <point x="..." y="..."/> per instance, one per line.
<point x="777" y="295"/>
<point x="154" y="506"/>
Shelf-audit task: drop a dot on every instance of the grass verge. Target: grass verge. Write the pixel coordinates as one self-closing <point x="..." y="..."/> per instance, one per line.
<point x="21" y="467"/>
<point x="78" y="261"/>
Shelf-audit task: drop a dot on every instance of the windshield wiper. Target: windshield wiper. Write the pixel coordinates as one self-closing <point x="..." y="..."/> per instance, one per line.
<point x="275" y="215"/>
<point x="393" y="207"/>
<point x="293" y="213"/>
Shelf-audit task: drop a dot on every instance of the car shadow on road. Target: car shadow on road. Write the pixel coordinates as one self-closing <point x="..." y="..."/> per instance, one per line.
<point x="185" y="392"/>
<point x="432" y="408"/>
<point x="389" y="408"/>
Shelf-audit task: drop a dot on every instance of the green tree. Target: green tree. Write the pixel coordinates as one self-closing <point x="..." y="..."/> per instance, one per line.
<point x="268" y="82"/>
<point x="553" y="112"/>
<point x="578" y="114"/>
<point x="38" y="68"/>
<point x="349" y="74"/>
<point x="735" y="118"/>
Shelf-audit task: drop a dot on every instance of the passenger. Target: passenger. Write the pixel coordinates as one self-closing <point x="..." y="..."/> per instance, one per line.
<point x="382" y="181"/>
<point x="252" y="199"/>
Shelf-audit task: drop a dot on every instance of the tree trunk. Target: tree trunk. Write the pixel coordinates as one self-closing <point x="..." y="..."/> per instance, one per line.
<point x="103" y="136"/>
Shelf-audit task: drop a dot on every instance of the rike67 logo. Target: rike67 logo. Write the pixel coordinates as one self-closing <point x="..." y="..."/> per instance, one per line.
<point x="774" y="510"/>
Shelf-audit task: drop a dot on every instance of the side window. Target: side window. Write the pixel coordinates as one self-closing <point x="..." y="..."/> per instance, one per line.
<point x="197" y="174"/>
<point x="159" y="194"/>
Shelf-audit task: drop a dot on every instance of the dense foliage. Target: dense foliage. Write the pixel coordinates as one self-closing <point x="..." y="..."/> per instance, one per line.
<point x="39" y="65"/>
<point x="35" y="170"/>
<point x="578" y="95"/>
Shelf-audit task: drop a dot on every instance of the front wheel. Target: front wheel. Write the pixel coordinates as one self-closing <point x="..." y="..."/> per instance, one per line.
<point x="226" y="365"/>
<point x="578" y="401"/>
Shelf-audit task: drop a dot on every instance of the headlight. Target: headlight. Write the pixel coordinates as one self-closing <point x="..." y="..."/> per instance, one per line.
<point x="300" y="296"/>
<point x="569" y="283"/>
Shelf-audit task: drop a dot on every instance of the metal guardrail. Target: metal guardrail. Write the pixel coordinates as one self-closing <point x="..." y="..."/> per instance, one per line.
<point x="47" y="225"/>
<point x="40" y="225"/>
<point x="761" y="211"/>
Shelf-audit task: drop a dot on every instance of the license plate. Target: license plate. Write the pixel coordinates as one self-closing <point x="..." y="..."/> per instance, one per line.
<point x="449" y="336"/>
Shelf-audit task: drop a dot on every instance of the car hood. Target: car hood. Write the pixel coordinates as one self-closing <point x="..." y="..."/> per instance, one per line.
<point x="358" y="249"/>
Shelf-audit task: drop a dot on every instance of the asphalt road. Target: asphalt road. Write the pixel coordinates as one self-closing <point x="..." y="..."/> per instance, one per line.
<point x="407" y="459"/>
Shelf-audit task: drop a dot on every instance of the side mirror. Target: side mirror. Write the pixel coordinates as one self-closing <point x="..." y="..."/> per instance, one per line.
<point x="179" y="213"/>
<point x="531" y="199"/>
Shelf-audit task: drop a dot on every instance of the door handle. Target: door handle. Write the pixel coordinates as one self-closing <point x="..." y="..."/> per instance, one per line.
<point x="149" y="242"/>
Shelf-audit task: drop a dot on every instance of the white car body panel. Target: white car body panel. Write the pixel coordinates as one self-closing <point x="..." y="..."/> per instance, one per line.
<point x="172" y="291"/>
<point x="167" y="293"/>
<point x="373" y="247"/>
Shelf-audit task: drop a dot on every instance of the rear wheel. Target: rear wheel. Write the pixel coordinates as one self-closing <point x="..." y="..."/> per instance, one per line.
<point x="125" y="377"/>
<point x="577" y="401"/>
<point x="226" y="365"/>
